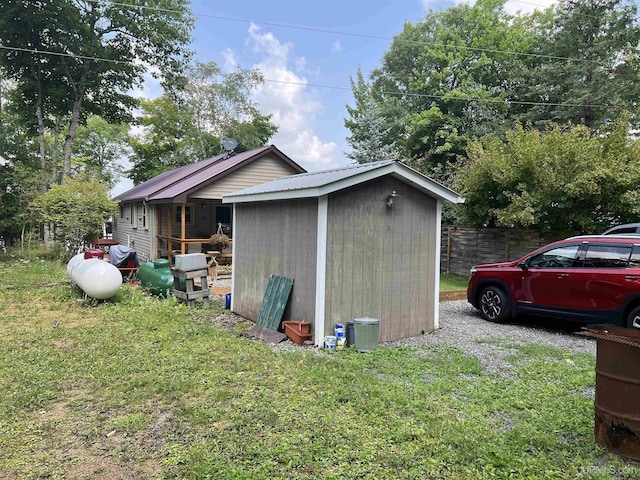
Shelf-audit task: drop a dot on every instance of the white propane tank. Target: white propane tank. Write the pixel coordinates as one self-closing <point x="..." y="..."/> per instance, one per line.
<point x="95" y="277"/>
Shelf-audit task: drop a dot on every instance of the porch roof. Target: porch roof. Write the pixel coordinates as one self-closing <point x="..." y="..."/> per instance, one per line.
<point x="175" y="185"/>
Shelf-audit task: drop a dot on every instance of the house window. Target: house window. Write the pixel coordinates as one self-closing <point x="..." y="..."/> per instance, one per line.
<point x="121" y="211"/>
<point x="134" y="215"/>
<point x="144" y="216"/>
<point x="188" y="213"/>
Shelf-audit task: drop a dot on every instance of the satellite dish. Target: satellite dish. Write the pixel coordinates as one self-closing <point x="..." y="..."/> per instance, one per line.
<point x="229" y="144"/>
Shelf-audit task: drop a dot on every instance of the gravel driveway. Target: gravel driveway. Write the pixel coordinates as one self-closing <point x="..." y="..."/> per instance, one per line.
<point x="461" y="326"/>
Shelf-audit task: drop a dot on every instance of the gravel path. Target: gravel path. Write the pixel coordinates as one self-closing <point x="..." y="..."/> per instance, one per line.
<point x="461" y="326"/>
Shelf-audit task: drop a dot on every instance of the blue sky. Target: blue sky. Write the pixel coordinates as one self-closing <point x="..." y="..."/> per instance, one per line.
<point x="325" y="53"/>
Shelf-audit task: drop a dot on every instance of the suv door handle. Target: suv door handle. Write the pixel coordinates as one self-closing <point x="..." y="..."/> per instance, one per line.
<point x="632" y="278"/>
<point x="563" y="275"/>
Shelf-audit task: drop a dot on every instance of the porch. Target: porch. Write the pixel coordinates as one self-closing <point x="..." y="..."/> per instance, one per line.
<point x="186" y="228"/>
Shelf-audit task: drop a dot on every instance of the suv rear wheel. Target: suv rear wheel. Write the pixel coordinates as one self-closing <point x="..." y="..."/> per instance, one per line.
<point x="633" y="319"/>
<point x="494" y="304"/>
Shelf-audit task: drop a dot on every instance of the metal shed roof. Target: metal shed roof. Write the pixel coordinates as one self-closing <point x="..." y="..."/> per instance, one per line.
<point x="317" y="184"/>
<point x="176" y="184"/>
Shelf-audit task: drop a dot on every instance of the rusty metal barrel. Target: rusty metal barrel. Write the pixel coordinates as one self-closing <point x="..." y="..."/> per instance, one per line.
<point x="617" y="403"/>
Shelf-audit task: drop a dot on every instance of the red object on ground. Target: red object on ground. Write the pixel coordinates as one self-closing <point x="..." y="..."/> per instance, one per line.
<point x="298" y="331"/>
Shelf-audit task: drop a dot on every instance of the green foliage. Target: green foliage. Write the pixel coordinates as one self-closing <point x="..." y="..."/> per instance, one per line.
<point x="188" y="127"/>
<point x="602" y="78"/>
<point x="430" y="88"/>
<point x="99" y="149"/>
<point x="76" y="210"/>
<point x="556" y="180"/>
<point x="102" y="51"/>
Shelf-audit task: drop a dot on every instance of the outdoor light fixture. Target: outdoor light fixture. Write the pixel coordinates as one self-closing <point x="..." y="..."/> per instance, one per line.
<point x="391" y="198"/>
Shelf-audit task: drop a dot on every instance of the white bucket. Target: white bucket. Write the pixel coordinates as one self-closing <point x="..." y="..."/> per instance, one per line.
<point x="340" y="331"/>
<point x="330" y="342"/>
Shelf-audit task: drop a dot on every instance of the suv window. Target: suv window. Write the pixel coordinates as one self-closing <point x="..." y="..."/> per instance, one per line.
<point x="607" y="256"/>
<point x="558" y="257"/>
<point x="635" y="256"/>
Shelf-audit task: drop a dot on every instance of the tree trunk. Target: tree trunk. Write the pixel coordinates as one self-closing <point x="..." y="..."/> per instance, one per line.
<point x="41" y="129"/>
<point x="74" y="121"/>
<point x="56" y="146"/>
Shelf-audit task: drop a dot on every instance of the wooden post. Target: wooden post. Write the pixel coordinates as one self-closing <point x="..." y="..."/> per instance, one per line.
<point x="507" y="246"/>
<point x="183" y="227"/>
<point x="449" y="249"/>
<point x="158" y="230"/>
<point x="170" y="231"/>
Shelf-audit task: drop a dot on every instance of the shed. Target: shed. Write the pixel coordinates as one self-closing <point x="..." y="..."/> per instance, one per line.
<point x="359" y="241"/>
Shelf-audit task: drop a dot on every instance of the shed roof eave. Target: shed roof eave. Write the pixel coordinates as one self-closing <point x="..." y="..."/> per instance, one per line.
<point x="401" y="171"/>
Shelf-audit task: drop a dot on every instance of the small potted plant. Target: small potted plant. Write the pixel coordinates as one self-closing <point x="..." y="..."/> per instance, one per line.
<point x="219" y="241"/>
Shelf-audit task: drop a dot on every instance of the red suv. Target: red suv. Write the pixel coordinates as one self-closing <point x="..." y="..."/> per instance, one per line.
<point x="590" y="279"/>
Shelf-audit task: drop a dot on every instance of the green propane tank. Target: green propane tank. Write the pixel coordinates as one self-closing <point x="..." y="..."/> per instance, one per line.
<point x="156" y="277"/>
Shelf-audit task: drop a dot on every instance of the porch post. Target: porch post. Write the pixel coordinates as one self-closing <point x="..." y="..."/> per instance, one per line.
<point x="158" y="230"/>
<point x="170" y="231"/>
<point x="183" y="227"/>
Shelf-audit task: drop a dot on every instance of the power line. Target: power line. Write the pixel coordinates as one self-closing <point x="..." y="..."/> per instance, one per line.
<point x="351" y="34"/>
<point x="335" y="87"/>
<point x="448" y="97"/>
<point x="61" y="54"/>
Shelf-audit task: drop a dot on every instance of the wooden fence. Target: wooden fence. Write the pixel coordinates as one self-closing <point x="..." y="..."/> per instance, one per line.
<point x="461" y="248"/>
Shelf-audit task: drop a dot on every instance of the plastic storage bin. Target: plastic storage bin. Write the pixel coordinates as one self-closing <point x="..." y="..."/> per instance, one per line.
<point x="366" y="331"/>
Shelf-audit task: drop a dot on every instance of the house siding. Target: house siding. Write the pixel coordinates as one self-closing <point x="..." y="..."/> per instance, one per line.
<point x="136" y="235"/>
<point x="275" y="238"/>
<point x="259" y="171"/>
<point x="381" y="261"/>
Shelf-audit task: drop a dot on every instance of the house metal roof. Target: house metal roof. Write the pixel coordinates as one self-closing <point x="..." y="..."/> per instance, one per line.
<point x="317" y="184"/>
<point x="175" y="185"/>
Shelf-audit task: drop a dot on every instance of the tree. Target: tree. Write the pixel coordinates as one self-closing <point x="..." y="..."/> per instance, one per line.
<point x="371" y="138"/>
<point x="589" y="68"/>
<point x="76" y="210"/>
<point x="189" y="126"/>
<point x="69" y="58"/>
<point x="557" y="180"/>
<point x="99" y="149"/>
<point x="444" y="80"/>
<point x="168" y="139"/>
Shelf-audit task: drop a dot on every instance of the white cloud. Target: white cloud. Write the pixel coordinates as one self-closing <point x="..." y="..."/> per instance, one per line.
<point x="336" y="47"/>
<point x="292" y="104"/>
<point x="511" y="6"/>
<point x="230" y="60"/>
<point x="151" y="87"/>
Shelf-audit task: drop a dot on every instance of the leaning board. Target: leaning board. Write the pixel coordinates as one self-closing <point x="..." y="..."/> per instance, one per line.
<point x="274" y="302"/>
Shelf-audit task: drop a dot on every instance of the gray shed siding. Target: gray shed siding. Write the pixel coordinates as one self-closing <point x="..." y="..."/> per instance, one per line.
<point x="381" y="261"/>
<point x="138" y="236"/>
<point x="275" y="238"/>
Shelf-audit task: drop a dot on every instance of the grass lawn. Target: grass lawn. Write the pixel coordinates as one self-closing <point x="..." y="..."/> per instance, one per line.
<point x="139" y="387"/>
<point x="449" y="281"/>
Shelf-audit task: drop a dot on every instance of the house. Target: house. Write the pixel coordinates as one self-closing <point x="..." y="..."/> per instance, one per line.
<point x="180" y="209"/>
<point x="359" y="241"/>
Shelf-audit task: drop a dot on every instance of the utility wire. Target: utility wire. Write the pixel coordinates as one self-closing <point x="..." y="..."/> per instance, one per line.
<point x="335" y="87"/>
<point x="61" y="54"/>
<point x="448" y="97"/>
<point x="351" y="34"/>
